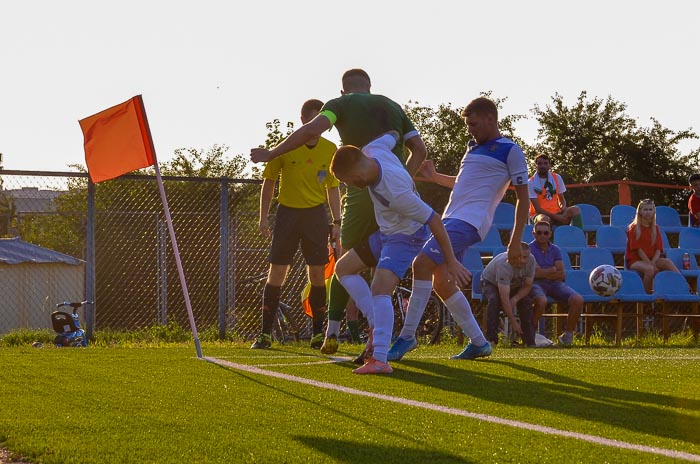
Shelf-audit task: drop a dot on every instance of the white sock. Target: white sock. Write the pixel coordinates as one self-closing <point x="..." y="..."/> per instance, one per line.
<point x="359" y="291"/>
<point x="333" y="328"/>
<point x="416" y="307"/>
<point x="383" y="323"/>
<point x="463" y="316"/>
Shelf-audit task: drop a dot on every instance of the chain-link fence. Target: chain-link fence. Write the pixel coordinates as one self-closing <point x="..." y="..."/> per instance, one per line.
<point x="110" y="243"/>
<point x="135" y="279"/>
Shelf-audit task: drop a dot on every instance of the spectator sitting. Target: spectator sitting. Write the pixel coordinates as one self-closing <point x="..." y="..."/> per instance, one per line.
<point x="546" y="189"/>
<point x="506" y="286"/>
<point x="549" y="281"/>
<point x="694" y="201"/>
<point x="645" y="246"/>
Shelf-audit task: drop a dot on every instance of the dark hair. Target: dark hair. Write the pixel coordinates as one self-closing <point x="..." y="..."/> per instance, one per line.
<point x="543" y="156"/>
<point x="354" y="73"/>
<point x="312" y="105"/>
<point x="481" y="105"/>
<point x="693" y="178"/>
<point x="344" y="159"/>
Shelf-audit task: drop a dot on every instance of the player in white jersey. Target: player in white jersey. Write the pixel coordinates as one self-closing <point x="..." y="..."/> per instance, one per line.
<point x="491" y="163"/>
<point x="402" y="217"/>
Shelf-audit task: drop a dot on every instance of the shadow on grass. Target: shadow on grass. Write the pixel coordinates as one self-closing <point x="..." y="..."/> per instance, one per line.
<point x="632" y="410"/>
<point x="352" y="451"/>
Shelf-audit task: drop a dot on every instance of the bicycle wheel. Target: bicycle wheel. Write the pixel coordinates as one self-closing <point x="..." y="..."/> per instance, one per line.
<point x="430" y="327"/>
<point x="285" y="329"/>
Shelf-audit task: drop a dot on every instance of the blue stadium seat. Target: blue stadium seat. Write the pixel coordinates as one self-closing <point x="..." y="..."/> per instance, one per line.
<point x="669" y="220"/>
<point x="570" y="239"/>
<point x="590" y="217"/>
<point x="527" y="233"/>
<point x="632" y="289"/>
<point x="472" y="260"/>
<point x="672" y="287"/>
<point x="612" y="238"/>
<point x="689" y="238"/>
<point x="594" y="257"/>
<point x="490" y="242"/>
<point x="566" y="260"/>
<point x="476" y="286"/>
<point x="676" y="255"/>
<point x="578" y="280"/>
<point x="622" y="215"/>
<point x="664" y="238"/>
<point x="504" y="216"/>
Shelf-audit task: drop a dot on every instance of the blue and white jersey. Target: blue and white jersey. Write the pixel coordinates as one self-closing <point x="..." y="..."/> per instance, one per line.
<point x="397" y="206"/>
<point x="483" y="179"/>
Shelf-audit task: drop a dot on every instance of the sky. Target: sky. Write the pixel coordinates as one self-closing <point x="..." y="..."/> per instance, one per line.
<point x="215" y="72"/>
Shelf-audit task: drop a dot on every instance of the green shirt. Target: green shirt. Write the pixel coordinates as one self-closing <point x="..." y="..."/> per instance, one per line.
<point x="360" y="118"/>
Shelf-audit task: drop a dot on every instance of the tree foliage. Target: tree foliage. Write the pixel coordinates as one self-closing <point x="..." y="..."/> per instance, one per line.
<point x="595" y="140"/>
<point x="592" y="140"/>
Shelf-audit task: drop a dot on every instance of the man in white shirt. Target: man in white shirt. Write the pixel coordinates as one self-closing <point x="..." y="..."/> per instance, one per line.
<point x="402" y="218"/>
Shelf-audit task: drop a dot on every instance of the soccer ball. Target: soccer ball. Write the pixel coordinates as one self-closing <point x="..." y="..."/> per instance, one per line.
<point x="605" y="280"/>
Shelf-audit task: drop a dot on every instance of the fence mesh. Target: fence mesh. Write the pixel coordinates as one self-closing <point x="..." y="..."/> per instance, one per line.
<point x="135" y="276"/>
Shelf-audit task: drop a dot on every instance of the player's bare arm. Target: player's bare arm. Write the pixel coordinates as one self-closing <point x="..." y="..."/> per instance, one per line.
<point x="296" y="139"/>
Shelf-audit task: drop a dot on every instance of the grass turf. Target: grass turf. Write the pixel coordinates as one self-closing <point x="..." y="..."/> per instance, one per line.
<point x="106" y="405"/>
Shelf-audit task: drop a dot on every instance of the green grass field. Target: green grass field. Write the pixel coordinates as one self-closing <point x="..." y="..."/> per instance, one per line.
<point x="162" y="404"/>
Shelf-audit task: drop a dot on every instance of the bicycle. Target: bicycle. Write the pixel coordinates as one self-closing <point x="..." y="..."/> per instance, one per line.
<point x="284" y="328"/>
<point x="67" y="326"/>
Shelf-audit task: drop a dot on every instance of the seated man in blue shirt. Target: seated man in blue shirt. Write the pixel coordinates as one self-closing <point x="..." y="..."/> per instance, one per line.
<point x="549" y="281"/>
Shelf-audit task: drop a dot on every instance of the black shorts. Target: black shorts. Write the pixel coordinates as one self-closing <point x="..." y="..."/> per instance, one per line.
<point x="308" y="226"/>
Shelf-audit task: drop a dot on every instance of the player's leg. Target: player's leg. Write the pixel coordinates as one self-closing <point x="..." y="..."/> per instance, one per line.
<point x="285" y="241"/>
<point x="539" y="304"/>
<point x="397" y="253"/>
<point x="357" y="224"/>
<point x="314" y="247"/>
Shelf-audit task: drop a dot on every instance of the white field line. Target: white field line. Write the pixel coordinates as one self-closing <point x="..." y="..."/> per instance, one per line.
<point x="460" y="412"/>
<point x="521" y="356"/>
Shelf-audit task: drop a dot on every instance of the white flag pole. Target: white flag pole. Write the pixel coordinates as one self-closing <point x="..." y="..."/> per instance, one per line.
<point x="178" y="261"/>
<point x="173" y="240"/>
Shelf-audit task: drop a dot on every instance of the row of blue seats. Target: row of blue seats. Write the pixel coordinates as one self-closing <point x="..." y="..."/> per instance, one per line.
<point x="668" y="218"/>
<point x="588" y="259"/>
<point x="668" y="285"/>
<point x="574" y="240"/>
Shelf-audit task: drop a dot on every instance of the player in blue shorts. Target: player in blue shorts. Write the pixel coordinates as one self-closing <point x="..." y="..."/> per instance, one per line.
<point x="491" y="163"/>
<point x="402" y="217"/>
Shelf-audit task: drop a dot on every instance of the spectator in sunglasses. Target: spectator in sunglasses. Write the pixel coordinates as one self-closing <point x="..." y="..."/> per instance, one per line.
<point x="549" y="281"/>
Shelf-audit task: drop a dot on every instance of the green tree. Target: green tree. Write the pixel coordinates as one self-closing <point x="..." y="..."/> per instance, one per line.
<point x="595" y="140"/>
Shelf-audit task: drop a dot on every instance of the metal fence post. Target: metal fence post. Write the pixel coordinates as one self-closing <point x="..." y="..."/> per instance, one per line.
<point x="223" y="256"/>
<point x="90" y="261"/>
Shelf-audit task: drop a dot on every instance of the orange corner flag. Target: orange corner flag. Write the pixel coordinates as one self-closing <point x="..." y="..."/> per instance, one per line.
<point x="117" y="140"/>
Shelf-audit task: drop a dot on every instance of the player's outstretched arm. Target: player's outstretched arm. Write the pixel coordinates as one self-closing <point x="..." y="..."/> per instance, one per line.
<point x="299" y="137"/>
<point x="428" y="173"/>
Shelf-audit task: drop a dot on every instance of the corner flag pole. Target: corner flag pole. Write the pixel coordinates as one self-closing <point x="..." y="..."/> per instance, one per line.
<point x="118" y="140"/>
<point x="173" y="241"/>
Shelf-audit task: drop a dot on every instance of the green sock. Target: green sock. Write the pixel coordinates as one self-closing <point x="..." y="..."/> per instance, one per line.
<point x="576" y="221"/>
<point x="337" y="300"/>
